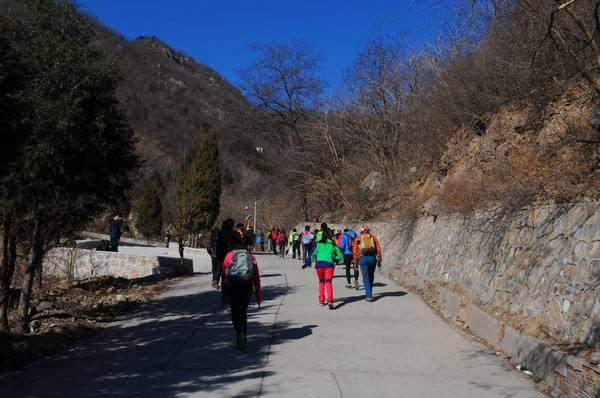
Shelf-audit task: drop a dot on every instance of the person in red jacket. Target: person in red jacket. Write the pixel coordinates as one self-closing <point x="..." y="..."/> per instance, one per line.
<point x="243" y="278"/>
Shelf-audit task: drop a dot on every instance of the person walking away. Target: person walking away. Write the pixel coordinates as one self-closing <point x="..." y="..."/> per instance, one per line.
<point x="367" y="254"/>
<point x="114" y="232"/>
<point x="281" y="242"/>
<point x="337" y="238"/>
<point x="274" y="236"/>
<point x="346" y="245"/>
<point x="243" y="278"/>
<point x="227" y="240"/>
<point x="215" y="256"/>
<point x="307" y="243"/>
<point x="325" y="254"/>
<point x="168" y="238"/>
<point x="294" y="241"/>
<point x="260" y="241"/>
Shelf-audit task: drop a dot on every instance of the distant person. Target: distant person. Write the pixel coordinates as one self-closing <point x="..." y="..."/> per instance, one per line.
<point x="227" y="239"/>
<point x="337" y="238"/>
<point x="325" y="254"/>
<point x="249" y="232"/>
<point x="168" y="239"/>
<point x="346" y="245"/>
<point x="114" y="232"/>
<point x="274" y="235"/>
<point x="281" y="242"/>
<point x="306" y="239"/>
<point x="241" y="271"/>
<point x="294" y="241"/>
<point x="367" y="254"/>
<point x="260" y="241"/>
<point x="213" y="249"/>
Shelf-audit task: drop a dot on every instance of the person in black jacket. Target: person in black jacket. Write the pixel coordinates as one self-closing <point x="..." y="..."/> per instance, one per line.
<point x="226" y="243"/>
<point x="213" y="249"/>
<point x="114" y="232"/>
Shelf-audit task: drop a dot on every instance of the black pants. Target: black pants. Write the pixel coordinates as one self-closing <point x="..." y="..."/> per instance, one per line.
<point x="274" y="247"/>
<point x="239" y="292"/>
<point x="282" y="249"/>
<point x="348" y="263"/>
<point x="216" y="269"/>
<point x="296" y="249"/>
<point x="114" y="245"/>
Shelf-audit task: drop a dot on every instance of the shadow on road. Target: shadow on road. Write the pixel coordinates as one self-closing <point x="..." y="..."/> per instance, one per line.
<point x="176" y="345"/>
<point x="376" y="297"/>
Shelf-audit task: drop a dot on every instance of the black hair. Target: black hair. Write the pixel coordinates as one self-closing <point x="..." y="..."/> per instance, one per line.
<point x="307" y="228"/>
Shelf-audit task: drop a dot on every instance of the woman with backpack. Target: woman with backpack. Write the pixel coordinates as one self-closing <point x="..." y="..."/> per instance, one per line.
<point x="325" y="255"/>
<point x="281" y="242"/>
<point x="243" y="278"/>
<point x="367" y="254"/>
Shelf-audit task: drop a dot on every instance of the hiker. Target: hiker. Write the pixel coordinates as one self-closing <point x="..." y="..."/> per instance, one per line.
<point x="337" y="238"/>
<point x="367" y="254"/>
<point x="215" y="256"/>
<point x="114" y="232"/>
<point x="325" y="254"/>
<point x="306" y="239"/>
<point x="260" y="241"/>
<point x="227" y="239"/>
<point x="243" y="278"/>
<point x="294" y="242"/>
<point x="168" y="239"/>
<point x="273" y="237"/>
<point x="281" y="242"/>
<point x="346" y="245"/>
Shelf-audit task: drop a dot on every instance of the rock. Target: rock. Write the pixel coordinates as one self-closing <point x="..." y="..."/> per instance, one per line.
<point x="44" y="306"/>
<point x="595" y="358"/>
<point x="34" y="326"/>
<point x="372" y="184"/>
<point x="432" y="207"/>
<point x="413" y="170"/>
<point x="110" y="290"/>
<point x="593" y="337"/>
<point x="594" y="119"/>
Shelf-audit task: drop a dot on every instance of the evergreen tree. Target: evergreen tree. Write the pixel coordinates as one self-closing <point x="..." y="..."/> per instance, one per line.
<point x="149" y="211"/>
<point x="73" y="155"/>
<point x="199" y="190"/>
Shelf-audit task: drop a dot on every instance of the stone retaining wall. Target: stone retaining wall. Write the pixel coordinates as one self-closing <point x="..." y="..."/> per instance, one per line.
<point x="87" y="264"/>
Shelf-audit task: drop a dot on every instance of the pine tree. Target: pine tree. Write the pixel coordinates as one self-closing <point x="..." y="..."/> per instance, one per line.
<point x="199" y="190"/>
<point x="149" y="211"/>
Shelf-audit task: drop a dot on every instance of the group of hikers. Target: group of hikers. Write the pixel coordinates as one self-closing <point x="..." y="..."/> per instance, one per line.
<point x="235" y="268"/>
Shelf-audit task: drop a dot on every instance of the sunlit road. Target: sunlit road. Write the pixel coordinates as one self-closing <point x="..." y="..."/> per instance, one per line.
<point x="182" y="345"/>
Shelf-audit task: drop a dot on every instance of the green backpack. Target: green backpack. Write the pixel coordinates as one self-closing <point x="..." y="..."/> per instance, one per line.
<point x="241" y="265"/>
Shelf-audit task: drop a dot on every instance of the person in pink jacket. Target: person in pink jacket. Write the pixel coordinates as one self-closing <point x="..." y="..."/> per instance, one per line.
<point x="243" y="279"/>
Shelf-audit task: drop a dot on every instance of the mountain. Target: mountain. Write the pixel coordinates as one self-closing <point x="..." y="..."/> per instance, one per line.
<point x="168" y="97"/>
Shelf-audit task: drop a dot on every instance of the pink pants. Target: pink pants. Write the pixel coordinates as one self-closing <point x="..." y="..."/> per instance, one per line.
<point x="325" y="275"/>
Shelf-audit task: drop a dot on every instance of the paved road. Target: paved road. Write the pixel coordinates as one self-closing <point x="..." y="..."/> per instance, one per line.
<point x="181" y="345"/>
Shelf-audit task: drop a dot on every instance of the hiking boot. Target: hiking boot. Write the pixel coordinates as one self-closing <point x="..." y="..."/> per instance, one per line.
<point x="369" y="299"/>
<point x="322" y="303"/>
<point x="348" y="285"/>
<point x="242" y="342"/>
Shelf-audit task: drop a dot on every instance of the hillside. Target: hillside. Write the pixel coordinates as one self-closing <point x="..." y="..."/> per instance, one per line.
<point x="168" y="97"/>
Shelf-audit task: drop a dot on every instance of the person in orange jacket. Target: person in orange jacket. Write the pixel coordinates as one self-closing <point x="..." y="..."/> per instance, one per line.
<point x="367" y="254"/>
<point x="243" y="278"/>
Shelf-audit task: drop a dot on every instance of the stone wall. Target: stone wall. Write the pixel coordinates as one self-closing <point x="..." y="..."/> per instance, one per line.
<point x="87" y="264"/>
<point x="540" y="265"/>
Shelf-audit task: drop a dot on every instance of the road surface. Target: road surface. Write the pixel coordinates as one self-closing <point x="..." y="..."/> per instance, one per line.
<point x="181" y="345"/>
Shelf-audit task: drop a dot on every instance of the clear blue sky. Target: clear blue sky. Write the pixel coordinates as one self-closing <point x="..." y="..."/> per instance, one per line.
<point x="218" y="33"/>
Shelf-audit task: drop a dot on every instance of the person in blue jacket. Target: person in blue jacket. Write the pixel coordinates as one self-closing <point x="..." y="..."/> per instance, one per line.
<point x="346" y="247"/>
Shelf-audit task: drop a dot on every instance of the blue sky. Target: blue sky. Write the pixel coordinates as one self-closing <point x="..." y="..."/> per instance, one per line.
<point x="218" y="34"/>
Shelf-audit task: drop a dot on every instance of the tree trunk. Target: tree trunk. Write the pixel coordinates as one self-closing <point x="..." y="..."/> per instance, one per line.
<point x="5" y="271"/>
<point x="37" y="254"/>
